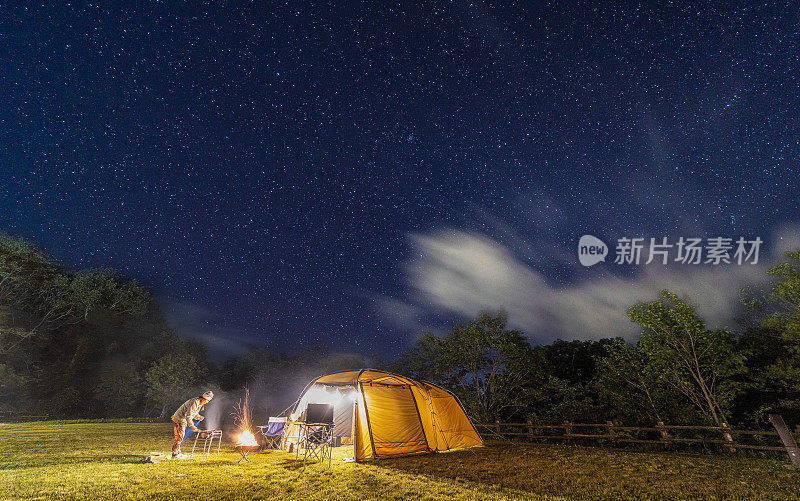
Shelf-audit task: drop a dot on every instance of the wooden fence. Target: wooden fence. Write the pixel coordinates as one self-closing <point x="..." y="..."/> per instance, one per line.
<point x="608" y="432"/>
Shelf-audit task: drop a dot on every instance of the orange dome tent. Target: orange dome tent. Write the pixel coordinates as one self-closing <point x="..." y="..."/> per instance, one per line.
<point x="386" y="415"/>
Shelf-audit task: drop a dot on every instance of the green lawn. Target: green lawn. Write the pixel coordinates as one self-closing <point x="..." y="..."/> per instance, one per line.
<point x="99" y="461"/>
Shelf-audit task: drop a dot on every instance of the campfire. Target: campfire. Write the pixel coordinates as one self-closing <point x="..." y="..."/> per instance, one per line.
<point x="247" y="439"/>
<point x="246" y="442"/>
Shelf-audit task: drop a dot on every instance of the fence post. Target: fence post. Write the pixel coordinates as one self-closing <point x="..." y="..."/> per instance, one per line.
<point x="610" y="429"/>
<point x="664" y="434"/>
<point x="497" y="426"/>
<point x="530" y="431"/>
<point x="567" y="429"/>
<point x="786" y="437"/>
<point x="726" y="434"/>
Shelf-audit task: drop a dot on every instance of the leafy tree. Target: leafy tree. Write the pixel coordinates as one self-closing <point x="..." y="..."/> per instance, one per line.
<point x="574" y="361"/>
<point x="13" y="388"/>
<point x="568" y="392"/>
<point x="37" y="296"/>
<point x="32" y="293"/>
<point x="774" y="342"/>
<point x="555" y="400"/>
<point x="631" y="387"/>
<point x="168" y="381"/>
<point x="493" y="369"/>
<point x="702" y="364"/>
<point x="119" y="387"/>
<point x="54" y="324"/>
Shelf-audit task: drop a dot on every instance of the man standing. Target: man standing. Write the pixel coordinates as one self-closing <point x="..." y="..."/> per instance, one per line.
<point x="185" y="416"/>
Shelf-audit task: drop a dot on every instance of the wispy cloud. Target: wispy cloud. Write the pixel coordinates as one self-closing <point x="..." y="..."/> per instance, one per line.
<point x="207" y="326"/>
<point x="464" y="273"/>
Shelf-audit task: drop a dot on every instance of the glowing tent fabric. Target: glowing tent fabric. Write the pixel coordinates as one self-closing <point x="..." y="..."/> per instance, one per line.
<point x="389" y="415"/>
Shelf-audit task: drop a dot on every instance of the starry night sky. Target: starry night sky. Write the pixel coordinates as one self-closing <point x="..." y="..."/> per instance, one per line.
<point x="267" y="168"/>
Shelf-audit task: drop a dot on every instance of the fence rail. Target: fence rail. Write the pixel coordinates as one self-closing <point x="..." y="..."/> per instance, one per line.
<point x="608" y="432"/>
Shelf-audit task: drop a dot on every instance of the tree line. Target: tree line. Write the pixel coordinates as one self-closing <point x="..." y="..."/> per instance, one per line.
<point x="679" y="370"/>
<point x="91" y="343"/>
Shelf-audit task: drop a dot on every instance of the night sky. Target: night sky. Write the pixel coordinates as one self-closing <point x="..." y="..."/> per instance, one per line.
<point x="303" y="172"/>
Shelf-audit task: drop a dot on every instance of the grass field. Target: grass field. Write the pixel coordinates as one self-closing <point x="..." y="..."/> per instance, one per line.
<point x="99" y="461"/>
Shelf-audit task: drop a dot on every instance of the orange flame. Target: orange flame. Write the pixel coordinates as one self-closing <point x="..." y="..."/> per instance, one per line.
<point x="247" y="438"/>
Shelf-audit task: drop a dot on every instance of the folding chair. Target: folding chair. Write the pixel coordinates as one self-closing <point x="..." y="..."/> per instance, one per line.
<point x="315" y="434"/>
<point x="208" y="437"/>
<point x="273" y="432"/>
<point x="315" y="442"/>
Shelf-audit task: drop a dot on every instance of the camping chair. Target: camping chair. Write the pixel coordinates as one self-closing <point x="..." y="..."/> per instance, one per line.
<point x="315" y="435"/>
<point x="273" y="432"/>
<point x="208" y="437"/>
<point x="315" y="443"/>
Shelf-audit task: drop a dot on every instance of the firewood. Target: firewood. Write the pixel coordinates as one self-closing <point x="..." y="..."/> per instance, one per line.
<point x="154" y="457"/>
